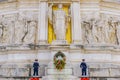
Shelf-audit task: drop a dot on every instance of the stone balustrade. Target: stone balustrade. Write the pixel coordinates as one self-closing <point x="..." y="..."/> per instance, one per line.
<point x="25" y="73"/>
<point x="15" y="71"/>
<point x="96" y="71"/>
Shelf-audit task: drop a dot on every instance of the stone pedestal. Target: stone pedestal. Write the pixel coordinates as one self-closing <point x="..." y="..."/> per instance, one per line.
<point x="51" y="73"/>
<point x="59" y="42"/>
<point x="54" y="74"/>
<point x="60" y="77"/>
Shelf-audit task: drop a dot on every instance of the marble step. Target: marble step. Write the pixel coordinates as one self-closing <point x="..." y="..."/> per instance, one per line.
<point x="91" y="78"/>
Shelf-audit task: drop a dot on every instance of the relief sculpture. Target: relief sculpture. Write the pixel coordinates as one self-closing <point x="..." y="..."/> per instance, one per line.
<point x="29" y="32"/>
<point x="25" y="29"/>
<point x="17" y="29"/>
<point x="118" y="32"/>
<point x="112" y="36"/>
<point x="1" y="30"/>
<point x="92" y="31"/>
<point x="87" y="31"/>
<point x="103" y="30"/>
<point x="6" y="28"/>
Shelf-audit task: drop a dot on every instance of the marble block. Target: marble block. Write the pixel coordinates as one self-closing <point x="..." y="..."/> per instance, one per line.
<point x="59" y="42"/>
<point x="64" y="71"/>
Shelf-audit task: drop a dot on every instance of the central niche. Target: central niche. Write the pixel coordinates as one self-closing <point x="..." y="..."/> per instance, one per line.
<point x="52" y="8"/>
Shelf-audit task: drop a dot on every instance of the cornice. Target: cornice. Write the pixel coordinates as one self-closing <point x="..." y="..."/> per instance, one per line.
<point x="85" y="4"/>
<point x="90" y="1"/>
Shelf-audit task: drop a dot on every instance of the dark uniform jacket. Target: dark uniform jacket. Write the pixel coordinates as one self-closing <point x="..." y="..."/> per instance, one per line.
<point x="35" y="65"/>
<point x="83" y="65"/>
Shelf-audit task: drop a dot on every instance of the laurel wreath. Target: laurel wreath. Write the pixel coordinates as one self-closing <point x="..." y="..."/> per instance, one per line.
<point x="59" y="63"/>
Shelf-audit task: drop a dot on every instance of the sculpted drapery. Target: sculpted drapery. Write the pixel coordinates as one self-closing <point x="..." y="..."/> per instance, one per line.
<point x="18" y="29"/>
<point x="101" y="30"/>
<point x="59" y="26"/>
<point x="59" y="23"/>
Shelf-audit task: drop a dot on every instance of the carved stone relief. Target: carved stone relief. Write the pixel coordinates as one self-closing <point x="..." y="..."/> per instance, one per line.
<point x="111" y="31"/>
<point x="7" y="28"/>
<point x="102" y="30"/>
<point x="18" y="28"/>
<point x="27" y="22"/>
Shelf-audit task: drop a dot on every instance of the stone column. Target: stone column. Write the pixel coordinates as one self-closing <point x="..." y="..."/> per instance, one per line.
<point x="42" y="23"/>
<point x="76" y="23"/>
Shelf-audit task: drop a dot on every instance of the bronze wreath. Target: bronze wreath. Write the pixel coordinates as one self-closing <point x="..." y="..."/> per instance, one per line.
<point x="59" y="63"/>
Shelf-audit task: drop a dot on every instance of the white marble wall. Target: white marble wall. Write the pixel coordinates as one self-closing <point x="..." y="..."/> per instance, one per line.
<point x="21" y="26"/>
<point x="97" y="29"/>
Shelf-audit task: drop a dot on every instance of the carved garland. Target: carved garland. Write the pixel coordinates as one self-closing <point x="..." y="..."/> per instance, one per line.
<point x="59" y="61"/>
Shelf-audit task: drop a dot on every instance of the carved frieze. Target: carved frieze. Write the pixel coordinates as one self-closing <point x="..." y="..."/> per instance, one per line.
<point x="18" y="28"/>
<point x="101" y="30"/>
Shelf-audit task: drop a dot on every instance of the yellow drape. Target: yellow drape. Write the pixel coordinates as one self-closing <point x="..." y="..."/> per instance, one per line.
<point x="51" y="34"/>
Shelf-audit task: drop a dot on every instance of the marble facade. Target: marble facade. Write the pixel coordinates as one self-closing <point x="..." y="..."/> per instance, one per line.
<point x="95" y="32"/>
